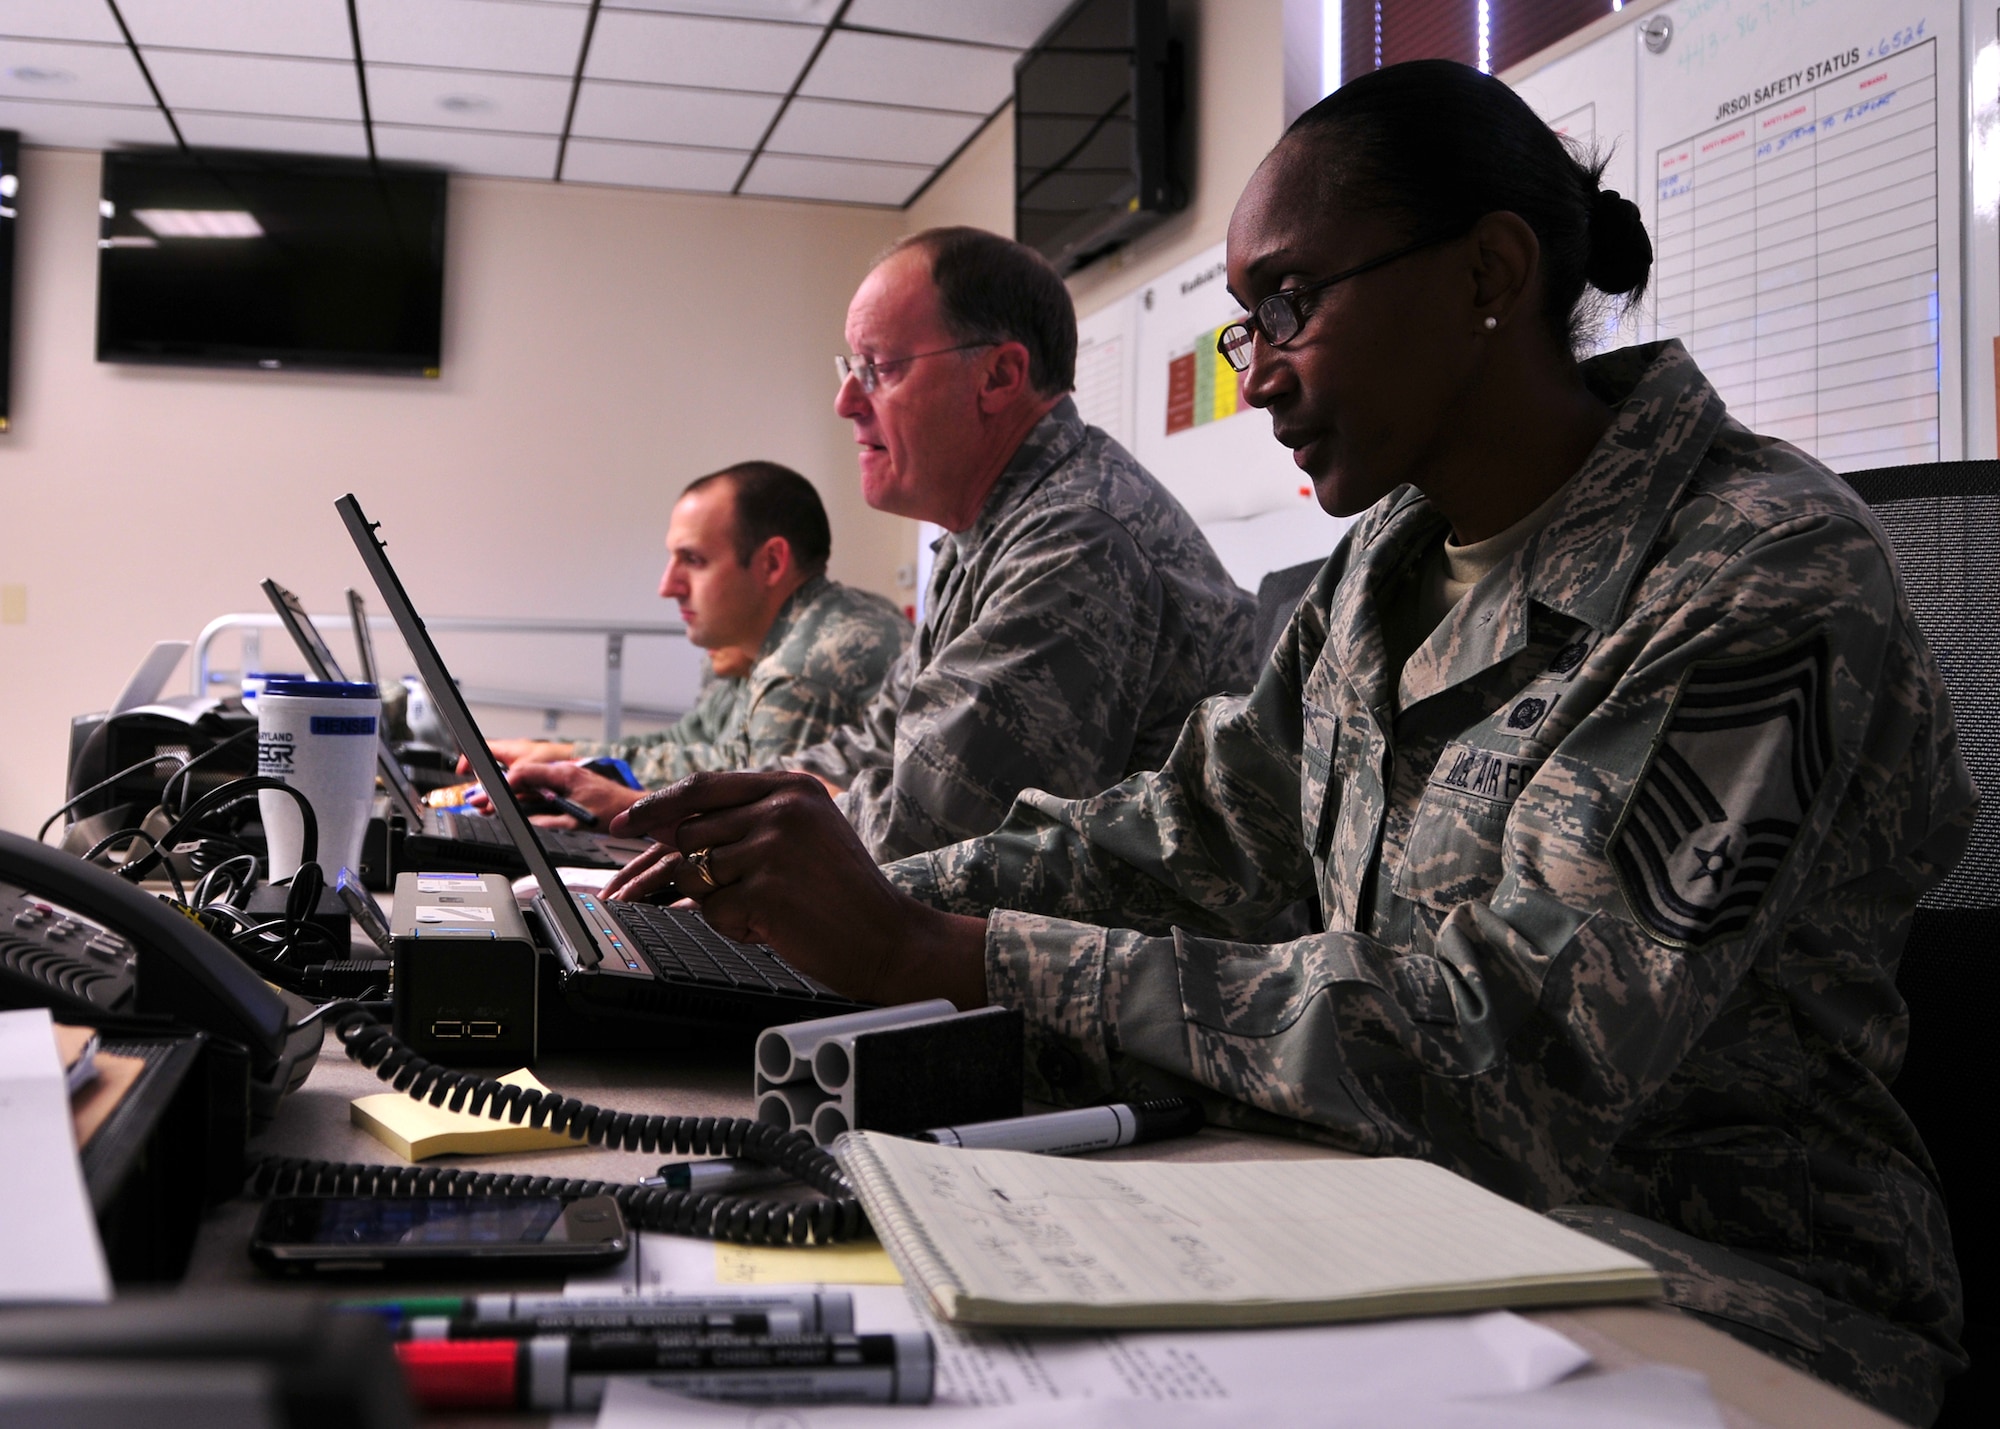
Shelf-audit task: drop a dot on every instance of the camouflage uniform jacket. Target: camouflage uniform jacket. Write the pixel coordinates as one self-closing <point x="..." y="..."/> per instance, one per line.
<point x="821" y="662"/>
<point x="1614" y="880"/>
<point x="1068" y="633"/>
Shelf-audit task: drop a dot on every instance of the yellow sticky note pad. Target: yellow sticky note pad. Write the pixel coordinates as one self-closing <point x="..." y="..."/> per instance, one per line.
<point x="416" y="1130"/>
<point x="862" y="1263"/>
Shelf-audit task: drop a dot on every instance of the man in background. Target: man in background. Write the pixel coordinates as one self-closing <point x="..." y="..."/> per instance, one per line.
<point x="1075" y="612"/>
<point x="793" y="655"/>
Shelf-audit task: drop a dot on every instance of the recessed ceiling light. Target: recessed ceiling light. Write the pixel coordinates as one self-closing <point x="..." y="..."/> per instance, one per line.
<point x="36" y="74"/>
<point x="200" y="222"/>
<point x="465" y="103"/>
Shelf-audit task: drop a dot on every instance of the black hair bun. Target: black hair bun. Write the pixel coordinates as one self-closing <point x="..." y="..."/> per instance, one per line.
<point x="1620" y="252"/>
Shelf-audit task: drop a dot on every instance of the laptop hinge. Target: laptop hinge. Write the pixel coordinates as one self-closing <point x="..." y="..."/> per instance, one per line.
<point x="573" y="960"/>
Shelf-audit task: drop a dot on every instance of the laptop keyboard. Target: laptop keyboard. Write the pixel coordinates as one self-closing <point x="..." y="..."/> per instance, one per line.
<point x="479" y="829"/>
<point x="683" y="948"/>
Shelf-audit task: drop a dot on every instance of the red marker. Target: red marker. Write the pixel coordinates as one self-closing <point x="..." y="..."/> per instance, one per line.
<point x="551" y="1372"/>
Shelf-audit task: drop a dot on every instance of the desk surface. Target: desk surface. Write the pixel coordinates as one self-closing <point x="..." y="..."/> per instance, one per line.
<point x="1753" y="1389"/>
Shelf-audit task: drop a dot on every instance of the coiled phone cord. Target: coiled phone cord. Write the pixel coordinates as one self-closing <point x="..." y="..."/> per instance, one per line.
<point x="832" y="1215"/>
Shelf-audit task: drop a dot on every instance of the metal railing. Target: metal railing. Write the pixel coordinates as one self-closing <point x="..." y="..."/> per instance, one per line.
<point x="250" y="625"/>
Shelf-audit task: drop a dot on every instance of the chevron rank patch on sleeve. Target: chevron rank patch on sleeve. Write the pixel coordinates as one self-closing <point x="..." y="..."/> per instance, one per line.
<point x="1725" y="793"/>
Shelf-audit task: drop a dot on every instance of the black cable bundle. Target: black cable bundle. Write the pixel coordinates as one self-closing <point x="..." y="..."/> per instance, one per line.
<point x="833" y="1215"/>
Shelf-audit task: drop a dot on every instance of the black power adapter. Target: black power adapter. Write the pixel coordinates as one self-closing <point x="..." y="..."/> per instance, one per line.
<point x="465" y="970"/>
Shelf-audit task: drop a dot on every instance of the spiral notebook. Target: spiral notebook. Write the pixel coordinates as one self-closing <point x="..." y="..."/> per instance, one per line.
<point x="1007" y="1238"/>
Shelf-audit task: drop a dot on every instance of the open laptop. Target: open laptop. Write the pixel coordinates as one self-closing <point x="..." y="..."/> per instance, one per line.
<point x="625" y="959"/>
<point x="435" y="839"/>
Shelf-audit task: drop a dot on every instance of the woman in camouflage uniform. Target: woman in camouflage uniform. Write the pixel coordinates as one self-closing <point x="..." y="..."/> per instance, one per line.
<point x="1605" y="744"/>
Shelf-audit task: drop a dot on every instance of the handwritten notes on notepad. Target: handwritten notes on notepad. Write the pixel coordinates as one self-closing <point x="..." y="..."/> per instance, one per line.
<point x="1004" y="1238"/>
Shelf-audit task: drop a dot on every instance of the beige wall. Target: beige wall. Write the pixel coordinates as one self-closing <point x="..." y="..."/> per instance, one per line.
<point x="601" y="347"/>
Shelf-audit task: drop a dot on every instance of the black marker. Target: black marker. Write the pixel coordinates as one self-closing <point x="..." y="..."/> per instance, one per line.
<point x="1071" y="1133"/>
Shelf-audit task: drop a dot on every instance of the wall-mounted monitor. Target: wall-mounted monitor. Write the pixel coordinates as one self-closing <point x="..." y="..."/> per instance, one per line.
<point x="223" y="259"/>
<point x="10" y="203"/>
<point x="1098" y="124"/>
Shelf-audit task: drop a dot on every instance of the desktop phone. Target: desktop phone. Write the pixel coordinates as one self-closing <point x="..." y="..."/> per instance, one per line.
<point x="399" y="1235"/>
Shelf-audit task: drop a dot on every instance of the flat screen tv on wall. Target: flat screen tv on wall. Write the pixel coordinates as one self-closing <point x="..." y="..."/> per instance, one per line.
<point x="217" y="258"/>
<point x="10" y="202"/>
<point x="1098" y="126"/>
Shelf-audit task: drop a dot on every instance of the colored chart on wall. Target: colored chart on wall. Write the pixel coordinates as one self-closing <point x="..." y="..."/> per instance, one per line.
<point x="1201" y="385"/>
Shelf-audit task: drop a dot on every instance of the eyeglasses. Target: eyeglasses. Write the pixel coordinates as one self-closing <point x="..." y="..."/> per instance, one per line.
<point x="868" y="372"/>
<point x="1280" y="317"/>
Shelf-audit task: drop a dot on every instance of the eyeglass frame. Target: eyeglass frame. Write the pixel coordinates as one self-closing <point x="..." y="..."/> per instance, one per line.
<point x="1254" y="324"/>
<point x="868" y="372"/>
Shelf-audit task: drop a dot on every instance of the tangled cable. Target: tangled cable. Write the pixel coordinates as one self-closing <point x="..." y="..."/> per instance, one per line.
<point x="832" y="1215"/>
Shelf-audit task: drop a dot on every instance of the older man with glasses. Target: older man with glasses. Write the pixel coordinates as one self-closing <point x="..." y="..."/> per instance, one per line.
<point x="1075" y="612"/>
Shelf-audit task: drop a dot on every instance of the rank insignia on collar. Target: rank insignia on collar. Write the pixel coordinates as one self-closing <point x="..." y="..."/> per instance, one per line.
<point x="1728" y="787"/>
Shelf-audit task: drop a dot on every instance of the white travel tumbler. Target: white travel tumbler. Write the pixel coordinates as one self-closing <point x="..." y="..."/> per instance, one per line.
<point x="319" y="737"/>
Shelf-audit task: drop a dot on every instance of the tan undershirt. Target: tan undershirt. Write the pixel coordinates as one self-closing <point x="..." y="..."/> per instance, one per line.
<point x="1447" y="573"/>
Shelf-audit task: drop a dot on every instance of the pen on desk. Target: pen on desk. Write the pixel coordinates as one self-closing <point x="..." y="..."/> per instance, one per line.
<point x="584" y="818"/>
<point x="1071" y="1133"/>
<point x="714" y="1177"/>
<point x="829" y="1312"/>
<point x="551" y="1372"/>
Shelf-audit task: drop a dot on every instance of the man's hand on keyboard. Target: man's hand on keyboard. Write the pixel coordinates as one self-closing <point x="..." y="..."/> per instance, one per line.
<point x="524" y="751"/>
<point x="773" y="861"/>
<point x="603" y="797"/>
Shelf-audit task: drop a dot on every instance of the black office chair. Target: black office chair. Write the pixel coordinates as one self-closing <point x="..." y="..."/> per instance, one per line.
<point x="1278" y="595"/>
<point x="1943" y="519"/>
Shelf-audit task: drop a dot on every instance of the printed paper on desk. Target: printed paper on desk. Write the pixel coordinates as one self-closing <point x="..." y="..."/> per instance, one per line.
<point x="1649" y="1397"/>
<point x="1012" y="1378"/>
<point x="49" y="1251"/>
<point x="1259" y="1377"/>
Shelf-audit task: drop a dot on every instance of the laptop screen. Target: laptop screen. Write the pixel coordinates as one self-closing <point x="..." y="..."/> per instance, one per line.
<point x="364" y="643"/>
<point x="319" y="656"/>
<point x="574" y="931"/>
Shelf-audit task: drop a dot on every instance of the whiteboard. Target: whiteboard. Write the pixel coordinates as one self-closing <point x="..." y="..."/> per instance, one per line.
<point x="1799" y="163"/>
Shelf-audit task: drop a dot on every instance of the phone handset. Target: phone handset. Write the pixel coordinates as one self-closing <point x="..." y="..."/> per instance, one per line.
<point x="182" y="971"/>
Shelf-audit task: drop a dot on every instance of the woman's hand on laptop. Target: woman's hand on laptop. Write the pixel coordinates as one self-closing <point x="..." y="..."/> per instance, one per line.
<point x="771" y="860"/>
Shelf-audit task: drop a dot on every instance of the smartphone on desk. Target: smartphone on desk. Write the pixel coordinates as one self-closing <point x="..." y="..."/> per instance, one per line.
<point x="447" y="1236"/>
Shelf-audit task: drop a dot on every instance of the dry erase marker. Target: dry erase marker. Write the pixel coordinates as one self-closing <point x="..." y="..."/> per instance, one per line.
<point x="717" y="1176"/>
<point x="831" y="1312"/>
<point x="655" y="1319"/>
<point x="1071" y="1133"/>
<point x="553" y="1372"/>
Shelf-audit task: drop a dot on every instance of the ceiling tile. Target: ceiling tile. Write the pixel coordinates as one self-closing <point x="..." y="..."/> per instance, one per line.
<point x="704" y="117"/>
<point x="457" y="99"/>
<point x="805" y="12"/>
<point x="75" y="74"/>
<point x="59" y="20"/>
<point x="270" y="27"/>
<point x="283" y="136"/>
<point x="871" y="131"/>
<point x="1018" y="23"/>
<point x="883" y="69"/>
<point x="681" y="49"/>
<point x="781" y="176"/>
<point x="518" y="36"/>
<point x="651" y="166"/>
<point x="513" y="156"/>
<point x="84" y="126"/>
<point x="255" y="84"/>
